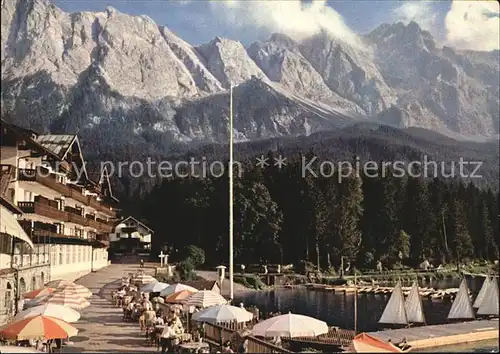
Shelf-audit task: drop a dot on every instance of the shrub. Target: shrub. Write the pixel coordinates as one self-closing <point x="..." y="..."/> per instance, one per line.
<point x="196" y="255"/>
<point x="185" y="269"/>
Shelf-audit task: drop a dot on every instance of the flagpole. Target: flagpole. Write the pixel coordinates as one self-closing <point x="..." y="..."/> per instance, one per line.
<point x="231" y="265"/>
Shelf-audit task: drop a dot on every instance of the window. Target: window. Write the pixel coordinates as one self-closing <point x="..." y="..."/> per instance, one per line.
<point x="79" y="253"/>
<point x="73" y="253"/>
<point x="33" y="283"/>
<point x="27" y="196"/>
<point x="22" y="286"/>
<point x="61" y="257"/>
<point x="5" y="244"/>
<point x="8" y="298"/>
<point x="67" y="250"/>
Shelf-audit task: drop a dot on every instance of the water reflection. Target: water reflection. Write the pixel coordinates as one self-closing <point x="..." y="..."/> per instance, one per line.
<point x="336" y="309"/>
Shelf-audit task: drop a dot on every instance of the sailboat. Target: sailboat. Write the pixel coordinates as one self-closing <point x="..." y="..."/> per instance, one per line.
<point x="461" y="309"/>
<point x="401" y="312"/>
<point x="414" y="307"/>
<point x="395" y="312"/>
<point x="482" y="292"/>
<point x="489" y="305"/>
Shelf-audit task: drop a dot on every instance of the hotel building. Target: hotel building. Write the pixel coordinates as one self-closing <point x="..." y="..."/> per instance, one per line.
<point x="65" y="217"/>
<point x="130" y="237"/>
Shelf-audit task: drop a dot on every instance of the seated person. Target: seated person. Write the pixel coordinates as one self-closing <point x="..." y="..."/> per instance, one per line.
<point x="131" y="306"/>
<point x="159" y="320"/>
<point x="227" y="348"/>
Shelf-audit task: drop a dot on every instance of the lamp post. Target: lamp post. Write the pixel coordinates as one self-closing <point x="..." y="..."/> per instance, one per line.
<point x="231" y="229"/>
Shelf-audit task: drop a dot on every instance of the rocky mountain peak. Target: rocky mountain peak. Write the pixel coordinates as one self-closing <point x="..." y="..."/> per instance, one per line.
<point x="228" y="61"/>
<point x="111" y="74"/>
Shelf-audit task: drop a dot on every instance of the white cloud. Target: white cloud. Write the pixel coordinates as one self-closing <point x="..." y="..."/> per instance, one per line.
<point x="420" y="12"/>
<point x="290" y="17"/>
<point x="473" y="25"/>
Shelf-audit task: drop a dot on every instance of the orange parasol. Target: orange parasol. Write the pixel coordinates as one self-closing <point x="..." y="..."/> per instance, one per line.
<point x="179" y="296"/>
<point x="364" y="343"/>
<point x="38" y="327"/>
<point x="38" y="293"/>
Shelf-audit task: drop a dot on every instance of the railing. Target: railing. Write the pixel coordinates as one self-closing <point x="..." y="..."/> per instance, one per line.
<point x="44" y="177"/>
<point x="94" y="203"/>
<point x="76" y="193"/>
<point x="46" y="201"/>
<point x="43" y="210"/>
<point x="219" y="334"/>
<point x="77" y="219"/>
<point x="335" y="336"/>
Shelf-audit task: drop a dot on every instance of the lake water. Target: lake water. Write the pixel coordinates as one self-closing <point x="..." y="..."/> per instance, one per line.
<point x="336" y="309"/>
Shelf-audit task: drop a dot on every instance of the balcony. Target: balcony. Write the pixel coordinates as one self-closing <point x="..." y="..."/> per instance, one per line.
<point x="42" y="209"/>
<point x="94" y="203"/>
<point x="44" y="177"/>
<point x="75" y="216"/>
<point x="76" y="193"/>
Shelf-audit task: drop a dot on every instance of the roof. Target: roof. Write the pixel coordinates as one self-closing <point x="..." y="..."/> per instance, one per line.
<point x="201" y="284"/>
<point x="10" y="226"/>
<point x="29" y="135"/>
<point x="4" y="201"/>
<point x="58" y="144"/>
<point x="137" y="221"/>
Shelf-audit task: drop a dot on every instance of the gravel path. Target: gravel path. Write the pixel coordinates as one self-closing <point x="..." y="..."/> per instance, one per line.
<point x="101" y="328"/>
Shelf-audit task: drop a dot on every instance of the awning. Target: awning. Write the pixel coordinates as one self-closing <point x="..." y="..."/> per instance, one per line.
<point x="10" y="226"/>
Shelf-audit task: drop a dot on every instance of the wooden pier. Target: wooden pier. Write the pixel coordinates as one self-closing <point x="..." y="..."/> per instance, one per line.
<point x="442" y="335"/>
<point x="430" y="293"/>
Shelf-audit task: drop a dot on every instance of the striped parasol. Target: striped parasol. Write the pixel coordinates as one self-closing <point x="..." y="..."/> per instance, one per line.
<point x="205" y="298"/>
<point x="143" y="279"/>
<point x="154" y="287"/>
<point x="65" y="298"/>
<point x="53" y="310"/>
<point x="176" y="288"/>
<point x="77" y="288"/>
<point x="38" y="327"/>
<point x="178" y="297"/>
<point x="38" y="293"/>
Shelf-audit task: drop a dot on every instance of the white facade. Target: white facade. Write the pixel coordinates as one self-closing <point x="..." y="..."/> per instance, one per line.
<point x="68" y="225"/>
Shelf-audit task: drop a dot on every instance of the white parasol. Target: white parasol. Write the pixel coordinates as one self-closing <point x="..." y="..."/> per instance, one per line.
<point x="290" y="325"/>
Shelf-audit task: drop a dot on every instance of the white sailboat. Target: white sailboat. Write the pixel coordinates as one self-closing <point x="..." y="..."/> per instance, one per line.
<point x="489" y="305"/>
<point x="482" y="292"/>
<point x="395" y="312"/>
<point x="413" y="306"/>
<point x="461" y="309"/>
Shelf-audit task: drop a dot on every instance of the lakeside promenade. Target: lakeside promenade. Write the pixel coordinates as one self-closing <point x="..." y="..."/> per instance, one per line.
<point x="101" y="329"/>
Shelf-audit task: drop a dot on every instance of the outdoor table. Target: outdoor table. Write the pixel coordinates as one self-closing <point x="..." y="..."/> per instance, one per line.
<point x="193" y="347"/>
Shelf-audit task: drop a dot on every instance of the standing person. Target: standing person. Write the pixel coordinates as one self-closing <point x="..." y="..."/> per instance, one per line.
<point x="167" y="337"/>
<point x="243" y="347"/>
<point x="142" y="263"/>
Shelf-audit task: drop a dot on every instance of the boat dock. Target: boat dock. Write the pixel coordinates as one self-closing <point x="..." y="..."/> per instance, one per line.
<point x="442" y="335"/>
<point x="430" y="293"/>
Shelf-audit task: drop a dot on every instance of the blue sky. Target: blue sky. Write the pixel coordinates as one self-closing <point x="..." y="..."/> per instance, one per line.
<point x="198" y="21"/>
<point x="460" y="24"/>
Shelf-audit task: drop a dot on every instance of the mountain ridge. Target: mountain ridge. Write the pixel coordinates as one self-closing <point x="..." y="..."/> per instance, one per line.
<point x="114" y="75"/>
